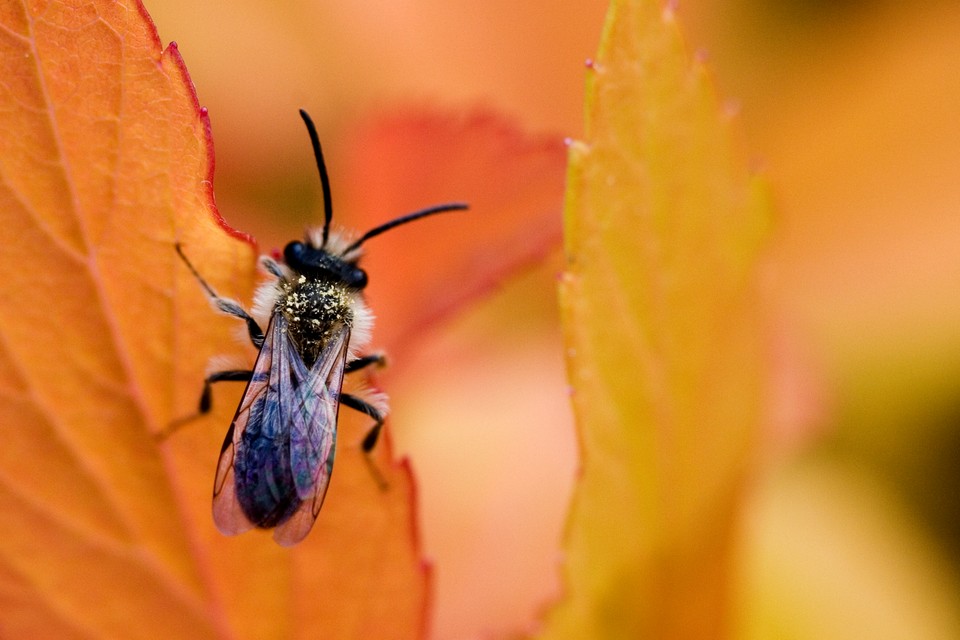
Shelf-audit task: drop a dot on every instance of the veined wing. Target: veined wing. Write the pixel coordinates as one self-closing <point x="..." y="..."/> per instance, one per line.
<point x="314" y="398"/>
<point x="228" y="513"/>
<point x="277" y="456"/>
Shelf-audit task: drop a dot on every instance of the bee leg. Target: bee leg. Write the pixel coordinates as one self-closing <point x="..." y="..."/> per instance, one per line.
<point x="220" y="376"/>
<point x="206" y="402"/>
<point x="365" y="361"/>
<point x="361" y="405"/>
<point x="231" y="308"/>
<point x="225" y="305"/>
<point x="370" y="440"/>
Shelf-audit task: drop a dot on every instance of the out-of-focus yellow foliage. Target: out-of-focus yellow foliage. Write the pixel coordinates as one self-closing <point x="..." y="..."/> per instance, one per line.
<point x="664" y="340"/>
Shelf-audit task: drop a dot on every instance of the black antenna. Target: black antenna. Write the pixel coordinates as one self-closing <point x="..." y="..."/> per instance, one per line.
<point x="324" y="178"/>
<point x="410" y="217"/>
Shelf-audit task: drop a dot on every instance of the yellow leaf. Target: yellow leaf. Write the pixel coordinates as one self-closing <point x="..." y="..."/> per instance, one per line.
<point x="664" y="341"/>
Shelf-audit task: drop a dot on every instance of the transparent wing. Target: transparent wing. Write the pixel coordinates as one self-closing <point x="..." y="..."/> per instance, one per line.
<point x="228" y="514"/>
<point x="311" y="398"/>
<point x="276" y="459"/>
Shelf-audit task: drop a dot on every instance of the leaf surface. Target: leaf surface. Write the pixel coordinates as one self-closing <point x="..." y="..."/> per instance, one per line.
<point x="665" y="348"/>
<point x="105" y="162"/>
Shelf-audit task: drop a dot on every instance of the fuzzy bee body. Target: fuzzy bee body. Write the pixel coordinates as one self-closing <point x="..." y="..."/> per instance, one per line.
<point x="277" y="456"/>
<point x="317" y="313"/>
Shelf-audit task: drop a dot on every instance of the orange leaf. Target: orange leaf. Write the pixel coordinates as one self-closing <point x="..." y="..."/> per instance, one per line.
<point x="664" y="341"/>
<point x="105" y="163"/>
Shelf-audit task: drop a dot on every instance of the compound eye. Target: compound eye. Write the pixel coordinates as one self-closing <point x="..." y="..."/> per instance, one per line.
<point x="358" y="279"/>
<point x="293" y="253"/>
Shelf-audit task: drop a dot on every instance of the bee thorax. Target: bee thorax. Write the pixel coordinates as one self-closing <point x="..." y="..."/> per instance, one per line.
<point x="315" y="311"/>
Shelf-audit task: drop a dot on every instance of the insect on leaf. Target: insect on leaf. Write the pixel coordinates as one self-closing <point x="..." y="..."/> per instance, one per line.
<point x="105" y="163"/>
<point x="663" y="225"/>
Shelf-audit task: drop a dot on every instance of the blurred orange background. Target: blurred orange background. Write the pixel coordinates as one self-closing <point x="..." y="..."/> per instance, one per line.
<point x="851" y="108"/>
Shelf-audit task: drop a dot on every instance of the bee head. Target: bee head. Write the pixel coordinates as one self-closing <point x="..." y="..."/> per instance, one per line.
<point x="314" y="259"/>
<point x="316" y="262"/>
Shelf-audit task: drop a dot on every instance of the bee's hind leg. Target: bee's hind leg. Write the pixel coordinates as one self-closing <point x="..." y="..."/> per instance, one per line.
<point x="235" y="375"/>
<point x="359" y="404"/>
<point x="370" y="440"/>
<point x="206" y="400"/>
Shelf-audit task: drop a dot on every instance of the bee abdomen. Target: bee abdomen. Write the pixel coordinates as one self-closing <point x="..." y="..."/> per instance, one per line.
<point x="264" y="481"/>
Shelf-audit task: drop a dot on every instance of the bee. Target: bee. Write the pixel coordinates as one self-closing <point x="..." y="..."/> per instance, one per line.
<point x="277" y="456"/>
